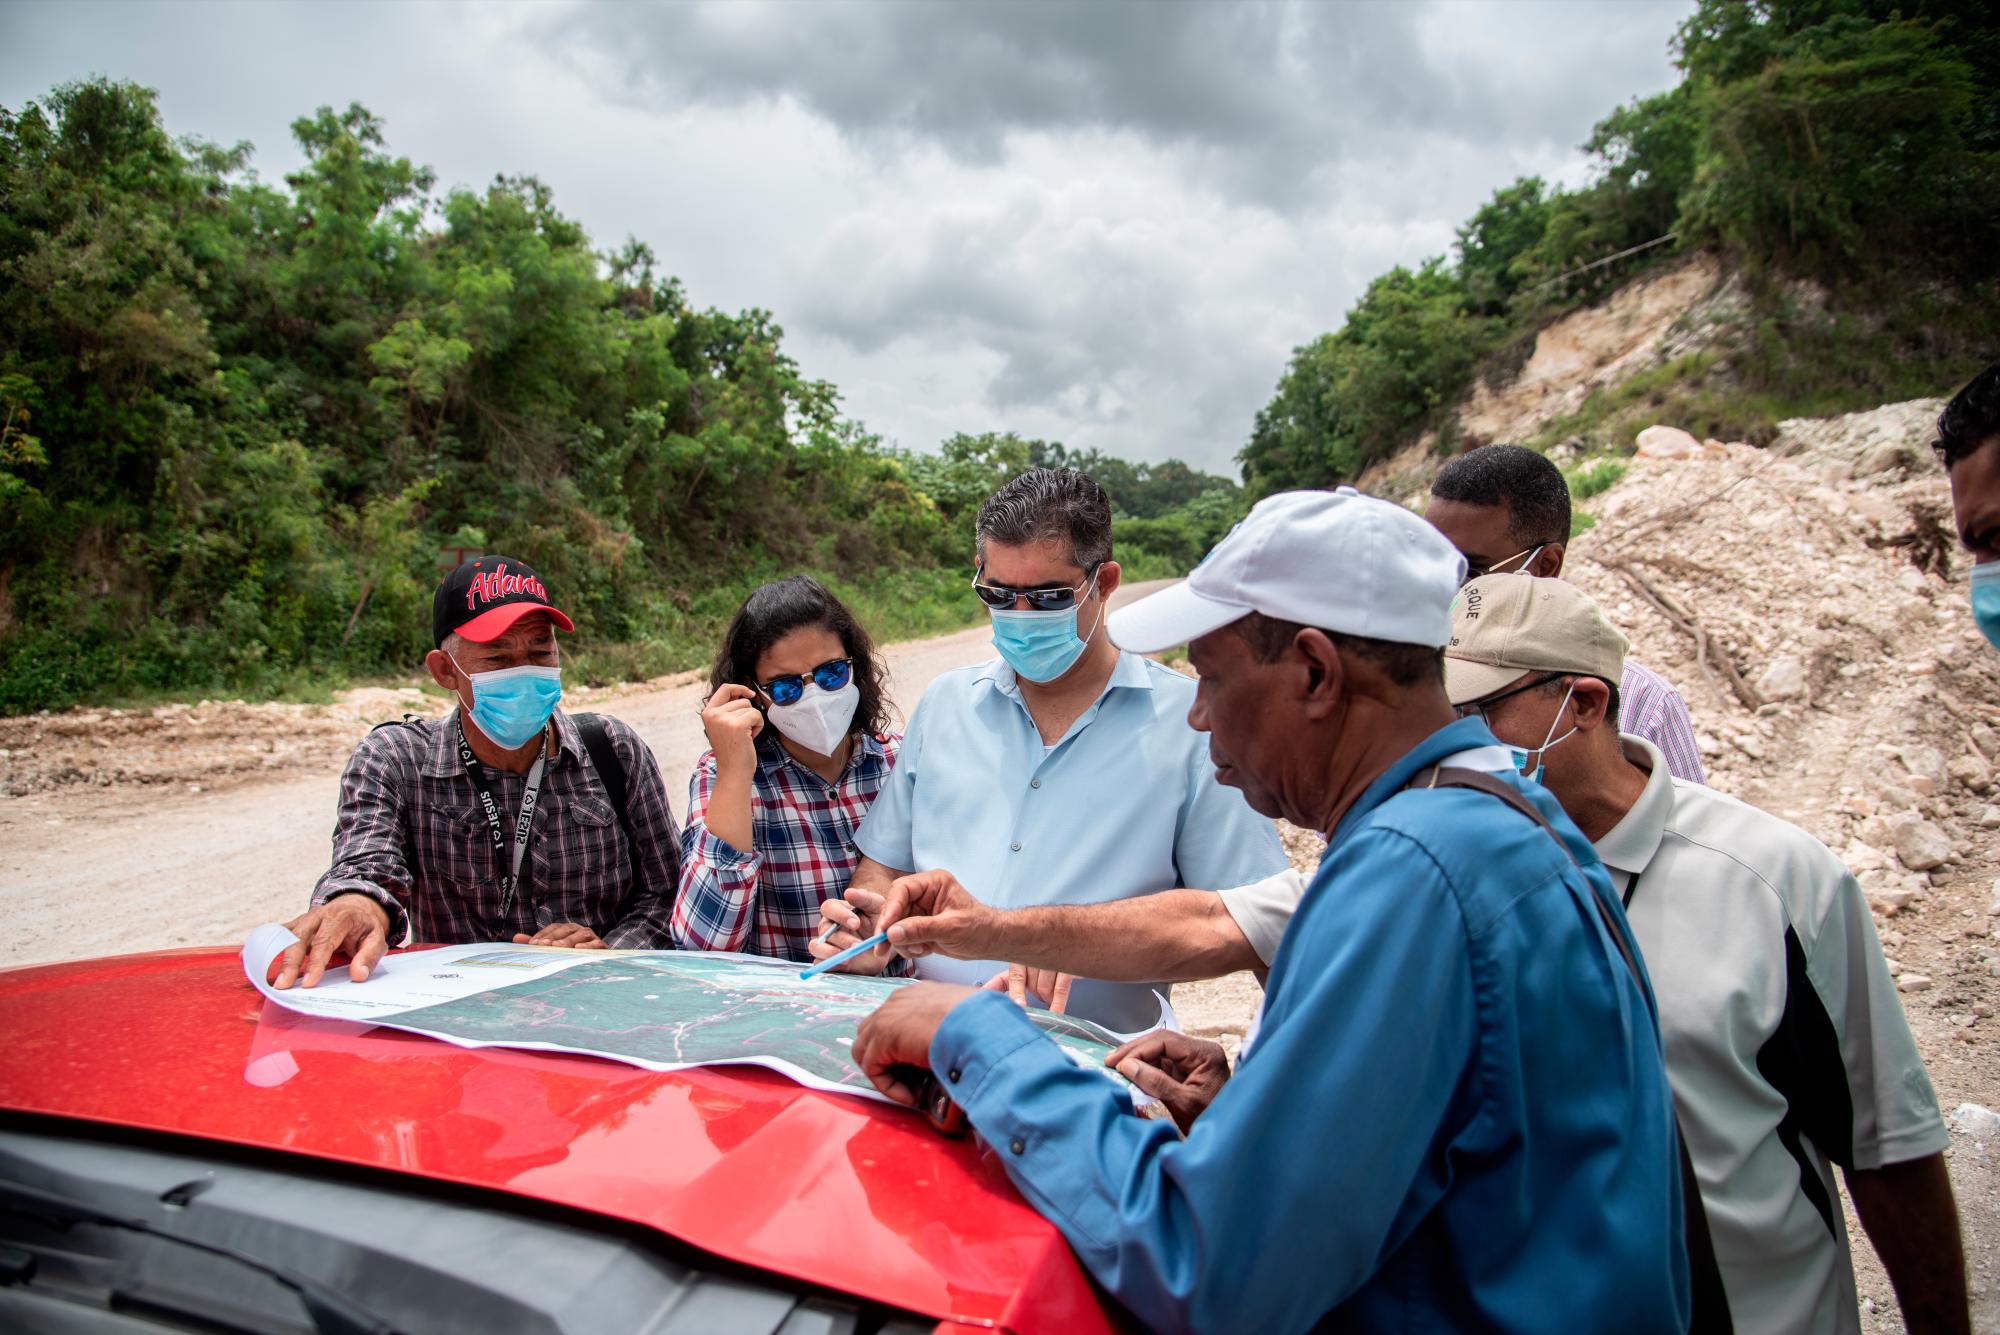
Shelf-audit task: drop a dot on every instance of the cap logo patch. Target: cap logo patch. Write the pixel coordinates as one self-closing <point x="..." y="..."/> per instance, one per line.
<point x="498" y="584"/>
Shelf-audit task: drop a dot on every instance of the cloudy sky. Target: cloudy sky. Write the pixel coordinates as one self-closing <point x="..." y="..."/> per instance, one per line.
<point x="1106" y="223"/>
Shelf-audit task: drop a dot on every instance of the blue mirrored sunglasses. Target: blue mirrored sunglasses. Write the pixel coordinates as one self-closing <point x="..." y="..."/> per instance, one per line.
<point x="828" y="676"/>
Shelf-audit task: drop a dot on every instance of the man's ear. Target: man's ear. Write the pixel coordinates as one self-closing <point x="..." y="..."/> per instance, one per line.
<point x="1548" y="562"/>
<point x="443" y="671"/>
<point x="1108" y="576"/>
<point x="1590" y="699"/>
<point x="1318" y="670"/>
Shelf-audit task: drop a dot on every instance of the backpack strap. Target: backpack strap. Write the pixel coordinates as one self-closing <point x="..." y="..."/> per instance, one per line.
<point x="1711" y="1303"/>
<point x="611" y="773"/>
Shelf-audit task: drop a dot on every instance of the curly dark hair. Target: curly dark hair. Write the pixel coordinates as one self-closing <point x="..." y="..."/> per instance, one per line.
<point x="1531" y="487"/>
<point x="1971" y="418"/>
<point x="775" y="610"/>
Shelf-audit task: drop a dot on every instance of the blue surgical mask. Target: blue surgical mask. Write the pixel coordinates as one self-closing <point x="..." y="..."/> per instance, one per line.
<point x="1986" y="601"/>
<point x="1039" y="646"/>
<point x="1521" y="756"/>
<point x="511" y="705"/>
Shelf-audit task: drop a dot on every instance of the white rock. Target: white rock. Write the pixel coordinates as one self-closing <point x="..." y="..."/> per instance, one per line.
<point x="1971" y="772"/>
<point x="1923" y="761"/>
<point x="1986" y="739"/>
<point x="1889" y="900"/>
<point x="1921" y="845"/>
<point x="1913" y="982"/>
<point x="1923" y="785"/>
<point x="1861" y="857"/>
<point x="1895" y="797"/>
<point x="1886" y="457"/>
<point x="1782" y="679"/>
<point x="1989" y="819"/>
<point x="1667" y="442"/>
<point x="1974" y="1122"/>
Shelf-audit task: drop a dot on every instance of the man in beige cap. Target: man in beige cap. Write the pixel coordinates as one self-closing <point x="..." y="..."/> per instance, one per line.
<point x="1786" y="1044"/>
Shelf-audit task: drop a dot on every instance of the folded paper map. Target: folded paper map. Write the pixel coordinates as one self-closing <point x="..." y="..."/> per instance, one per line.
<point x="663" y="1010"/>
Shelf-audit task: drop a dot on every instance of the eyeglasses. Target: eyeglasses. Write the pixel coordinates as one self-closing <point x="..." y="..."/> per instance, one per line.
<point x="1475" y="571"/>
<point x="831" y="675"/>
<point x="1480" y="707"/>
<point x="1058" y="598"/>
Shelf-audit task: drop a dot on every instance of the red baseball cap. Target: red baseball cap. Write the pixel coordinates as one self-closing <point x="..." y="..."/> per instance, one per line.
<point x="483" y="597"/>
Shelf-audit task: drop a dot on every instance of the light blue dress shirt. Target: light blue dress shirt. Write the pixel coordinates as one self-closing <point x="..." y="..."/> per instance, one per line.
<point x="1455" y="1117"/>
<point x="1126" y="803"/>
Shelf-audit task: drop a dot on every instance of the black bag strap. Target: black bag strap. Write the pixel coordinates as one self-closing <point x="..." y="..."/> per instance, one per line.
<point x="611" y="773"/>
<point x="1711" y="1303"/>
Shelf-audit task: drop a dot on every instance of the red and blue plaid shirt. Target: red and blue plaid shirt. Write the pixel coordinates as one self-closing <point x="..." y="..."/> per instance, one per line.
<point x="765" y="900"/>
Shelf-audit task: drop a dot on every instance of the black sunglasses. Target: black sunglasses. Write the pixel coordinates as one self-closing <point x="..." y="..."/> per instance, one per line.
<point x="831" y="675"/>
<point x="1479" y="707"/>
<point x="1059" y="598"/>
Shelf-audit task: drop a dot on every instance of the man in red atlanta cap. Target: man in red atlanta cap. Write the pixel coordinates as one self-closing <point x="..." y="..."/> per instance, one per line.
<point x="505" y="820"/>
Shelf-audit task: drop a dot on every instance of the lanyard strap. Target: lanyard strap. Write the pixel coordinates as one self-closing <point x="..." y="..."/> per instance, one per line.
<point x="490" y="806"/>
<point x="1631" y="889"/>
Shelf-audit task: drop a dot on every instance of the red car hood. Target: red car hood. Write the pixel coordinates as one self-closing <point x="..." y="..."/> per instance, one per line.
<point x="836" y="1191"/>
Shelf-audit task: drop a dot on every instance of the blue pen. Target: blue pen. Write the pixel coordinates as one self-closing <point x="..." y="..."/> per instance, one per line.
<point x="844" y="956"/>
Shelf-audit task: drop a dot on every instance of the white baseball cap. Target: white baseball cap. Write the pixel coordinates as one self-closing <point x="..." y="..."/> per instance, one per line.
<point x="1337" y="560"/>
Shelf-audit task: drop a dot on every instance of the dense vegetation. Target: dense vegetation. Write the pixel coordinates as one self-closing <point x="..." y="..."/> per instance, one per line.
<point x="1854" y="144"/>
<point x="239" y="421"/>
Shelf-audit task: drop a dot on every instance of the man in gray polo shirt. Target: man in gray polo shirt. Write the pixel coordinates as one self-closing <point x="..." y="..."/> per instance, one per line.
<point x="1786" y="1041"/>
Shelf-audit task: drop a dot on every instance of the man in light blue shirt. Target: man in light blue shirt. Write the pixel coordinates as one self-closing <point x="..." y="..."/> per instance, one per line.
<point x="1454" y="1114"/>
<point x="1063" y="772"/>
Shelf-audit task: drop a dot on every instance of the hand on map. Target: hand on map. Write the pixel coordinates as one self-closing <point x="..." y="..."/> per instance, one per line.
<point x="930" y="912"/>
<point x="571" y="934"/>
<point x="351" y="925"/>
<point x="899" y="1034"/>
<point x="854" y="917"/>
<point x="1045" y="987"/>
<point x="1183" y="1073"/>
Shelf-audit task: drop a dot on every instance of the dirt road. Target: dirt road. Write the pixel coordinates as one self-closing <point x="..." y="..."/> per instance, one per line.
<point x="105" y="867"/>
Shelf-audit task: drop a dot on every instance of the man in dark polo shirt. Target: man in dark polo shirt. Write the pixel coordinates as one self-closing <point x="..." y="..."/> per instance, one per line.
<point x="506" y="819"/>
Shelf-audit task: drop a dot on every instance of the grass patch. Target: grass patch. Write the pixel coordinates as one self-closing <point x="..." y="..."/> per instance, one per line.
<point x="1594" y="478"/>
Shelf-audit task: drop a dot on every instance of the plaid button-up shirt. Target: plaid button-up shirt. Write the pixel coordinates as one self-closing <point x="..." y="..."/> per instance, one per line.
<point x="1650" y="707"/>
<point x="411" y="836"/>
<point x="765" y="900"/>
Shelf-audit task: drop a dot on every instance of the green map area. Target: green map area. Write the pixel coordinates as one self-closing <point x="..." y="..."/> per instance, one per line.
<point x="673" y="1009"/>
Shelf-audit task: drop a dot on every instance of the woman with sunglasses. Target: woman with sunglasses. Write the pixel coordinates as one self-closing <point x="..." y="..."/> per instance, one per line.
<point x="795" y="717"/>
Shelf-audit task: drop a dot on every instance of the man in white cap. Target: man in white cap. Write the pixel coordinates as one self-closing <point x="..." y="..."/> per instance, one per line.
<point x="1455" y="1113"/>
<point x="1785" y="1040"/>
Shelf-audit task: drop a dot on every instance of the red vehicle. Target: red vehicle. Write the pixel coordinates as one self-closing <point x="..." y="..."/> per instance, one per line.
<point x="177" y="1154"/>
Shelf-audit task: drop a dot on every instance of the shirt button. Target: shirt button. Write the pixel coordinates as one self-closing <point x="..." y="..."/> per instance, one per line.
<point x="1034" y="783"/>
<point x="1015" y="847"/>
<point x="952" y="1075"/>
<point x="1017" y="1145"/>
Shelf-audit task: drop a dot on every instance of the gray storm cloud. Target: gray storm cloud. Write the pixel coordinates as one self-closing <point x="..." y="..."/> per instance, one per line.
<point x="1107" y="223"/>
